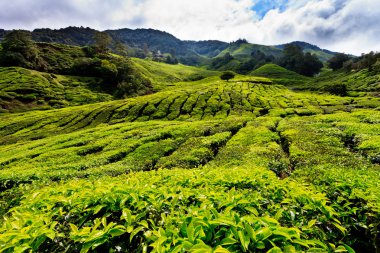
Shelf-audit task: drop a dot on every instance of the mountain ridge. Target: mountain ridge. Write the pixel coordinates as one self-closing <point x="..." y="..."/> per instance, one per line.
<point x="155" y="40"/>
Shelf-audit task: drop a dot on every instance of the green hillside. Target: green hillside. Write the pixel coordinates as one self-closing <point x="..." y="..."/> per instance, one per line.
<point x="162" y="74"/>
<point x="182" y="161"/>
<point x="322" y="55"/>
<point x="22" y="89"/>
<point x="279" y="74"/>
<point x="356" y="81"/>
<point x="244" y="50"/>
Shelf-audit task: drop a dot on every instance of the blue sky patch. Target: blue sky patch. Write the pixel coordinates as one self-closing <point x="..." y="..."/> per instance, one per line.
<point x="261" y="7"/>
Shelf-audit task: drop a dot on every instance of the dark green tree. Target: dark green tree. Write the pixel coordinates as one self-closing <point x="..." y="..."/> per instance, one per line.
<point x="227" y="75"/>
<point x="303" y="63"/>
<point x="121" y="48"/>
<point x="336" y="62"/>
<point x="102" y="42"/>
<point x="311" y="65"/>
<point x="19" y="49"/>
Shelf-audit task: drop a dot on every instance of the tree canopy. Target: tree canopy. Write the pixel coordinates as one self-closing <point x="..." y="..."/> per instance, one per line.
<point x="296" y="60"/>
<point x="18" y="49"/>
<point x="227" y="75"/>
<point x="102" y="42"/>
<point x="337" y="61"/>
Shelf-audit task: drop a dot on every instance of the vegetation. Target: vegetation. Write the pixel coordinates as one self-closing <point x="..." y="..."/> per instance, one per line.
<point x="19" y="49"/>
<point x="118" y="74"/>
<point x="303" y="63"/>
<point x="358" y="83"/>
<point x="102" y="42"/>
<point x="227" y="75"/>
<point x="338" y="60"/>
<point x="200" y="165"/>
<point x="150" y="43"/>
<point x="280" y="75"/>
<point x="163" y="75"/>
<point x="23" y="89"/>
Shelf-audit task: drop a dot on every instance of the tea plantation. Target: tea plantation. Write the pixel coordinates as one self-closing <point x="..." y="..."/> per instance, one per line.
<point x="207" y="165"/>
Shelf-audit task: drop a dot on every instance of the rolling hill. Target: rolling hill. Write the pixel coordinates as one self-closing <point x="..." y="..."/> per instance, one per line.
<point x="243" y="50"/>
<point x="276" y="72"/>
<point x="196" y="164"/>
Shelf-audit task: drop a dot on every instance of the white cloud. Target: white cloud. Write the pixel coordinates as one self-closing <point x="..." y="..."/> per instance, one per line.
<point x="341" y="25"/>
<point x="349" y="26"/>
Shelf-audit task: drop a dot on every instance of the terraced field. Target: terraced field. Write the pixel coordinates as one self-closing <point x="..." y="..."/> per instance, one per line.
<point x="206" y="166"/>
<point x="218" y="100"/>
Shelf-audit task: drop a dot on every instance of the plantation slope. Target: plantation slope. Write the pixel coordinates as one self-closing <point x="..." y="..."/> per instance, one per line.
<point x="244" y="50"/>
<point x="202" y="101"/>
<point x="328" y="165"/>
<point x="356" y="81"/>
<point x="163" y="74"/>
<point x="279" y="75"/>
<point x="22" y="89"/>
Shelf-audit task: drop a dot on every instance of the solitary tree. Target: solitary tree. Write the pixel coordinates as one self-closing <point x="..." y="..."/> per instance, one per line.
<point x="227" y="75"/>
<point x="102" y="42"/>
<point x="121" y="48"/>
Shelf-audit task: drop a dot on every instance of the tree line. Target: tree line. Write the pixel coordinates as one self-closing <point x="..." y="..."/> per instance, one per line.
<point x="370" y="61"/>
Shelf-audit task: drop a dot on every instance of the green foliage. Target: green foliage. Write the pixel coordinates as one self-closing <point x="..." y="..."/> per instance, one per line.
<point x="303" y="63"/>
<point x="279" y="75"/>
<point x="118" y="74"/>
<point x="227" y="75"/>
<point x="172" y="210"/>
<point x="338" y="60"/>
<point x="202" y="165"/>
<point x="356" y="81"/>
<point x="102" y="42"/>
<point x="18" y="49"/>
<point x="164" y="75"/>
<point x="220" y="62"/>
<point x="338" y="89"/>
<point x="22" y="89"/>
<point x="368" y="61"/>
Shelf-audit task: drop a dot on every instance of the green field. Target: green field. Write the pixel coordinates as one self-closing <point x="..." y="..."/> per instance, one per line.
<point x="201" y="165"/>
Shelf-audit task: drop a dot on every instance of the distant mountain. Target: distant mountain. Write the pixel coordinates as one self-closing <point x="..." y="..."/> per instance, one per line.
<point x="75" y="36"/>
<point x="188" y="52"/>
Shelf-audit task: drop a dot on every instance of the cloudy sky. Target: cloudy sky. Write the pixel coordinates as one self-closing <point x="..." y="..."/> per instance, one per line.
<point x="350" y="26"/>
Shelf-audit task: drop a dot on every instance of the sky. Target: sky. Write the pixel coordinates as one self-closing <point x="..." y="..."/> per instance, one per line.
<point x="350" y="26"/>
